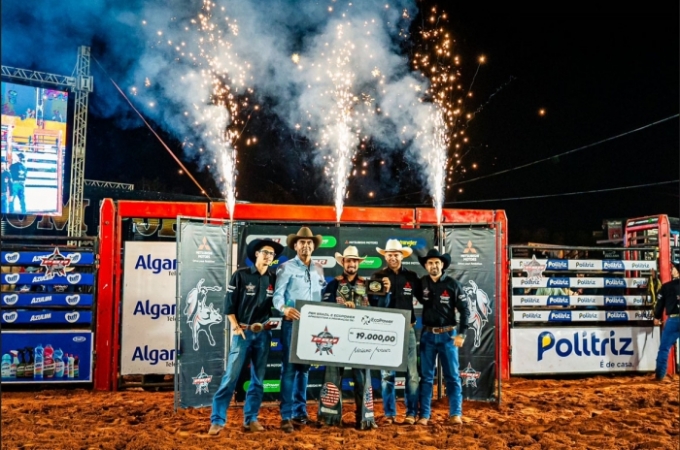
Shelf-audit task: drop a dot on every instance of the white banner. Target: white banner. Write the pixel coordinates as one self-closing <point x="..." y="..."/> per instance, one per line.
<point x="576" y="282"/>
<point x="330" y="334"/>
<point x="148" y="311"/>
<point x="580" y="316"/>
<point x="550" y="350"/>
<point x="578" y="300"/>
<point x="584" y="264"/>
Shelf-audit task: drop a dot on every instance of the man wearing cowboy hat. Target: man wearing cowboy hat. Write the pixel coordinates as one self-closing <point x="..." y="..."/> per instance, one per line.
<point x="442" y="296"/>
<point x="668" y="301"/>
<point x="403" y="286"/>
<point x="297" y="279"/>
<point x="350" y="290"/>
<point x="248" y="307"/>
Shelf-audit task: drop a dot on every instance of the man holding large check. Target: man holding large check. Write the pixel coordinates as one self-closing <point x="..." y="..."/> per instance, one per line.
<point x="349" y="290"/>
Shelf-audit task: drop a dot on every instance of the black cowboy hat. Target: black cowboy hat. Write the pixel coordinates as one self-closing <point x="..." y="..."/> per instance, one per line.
<point x="257" y="244"/>
<point x="434" y="253"/>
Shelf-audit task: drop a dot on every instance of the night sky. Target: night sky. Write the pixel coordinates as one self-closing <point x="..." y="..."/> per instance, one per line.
<point x="596" y="73"/>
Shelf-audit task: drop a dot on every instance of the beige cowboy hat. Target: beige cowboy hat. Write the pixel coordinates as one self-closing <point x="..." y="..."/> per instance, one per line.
<point x="303" y="233"/>
<point x="350" y="252"/>
<point x="393" y="245"/>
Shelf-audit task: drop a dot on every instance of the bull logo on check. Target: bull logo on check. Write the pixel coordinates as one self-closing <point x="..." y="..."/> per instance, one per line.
<point x="324" y="342"/>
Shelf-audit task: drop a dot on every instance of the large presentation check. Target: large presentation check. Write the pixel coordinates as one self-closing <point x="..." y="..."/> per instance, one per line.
<point x="334" y="335"/>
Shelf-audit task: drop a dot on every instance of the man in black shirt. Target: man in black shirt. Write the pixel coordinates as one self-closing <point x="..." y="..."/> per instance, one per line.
<point x="442" y="295"/>
<point x="350" y="290"/>
<point x="18" y="171"/>
<point x="403" y="286"/>
<point x="248" y="308"/>
<point x="668" y="300"/>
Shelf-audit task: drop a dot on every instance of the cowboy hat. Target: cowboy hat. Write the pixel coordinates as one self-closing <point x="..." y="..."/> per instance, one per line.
<point x="350" y="252"/>
<point x="434" y="253"/>
<point x="303" y="233"/>
<point x="394" y="245"/>
<point x="257" y="244"/>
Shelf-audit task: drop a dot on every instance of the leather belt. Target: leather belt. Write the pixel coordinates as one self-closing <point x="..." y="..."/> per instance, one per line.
<point x="439" y="330"/>
<point x="257" y="327"/>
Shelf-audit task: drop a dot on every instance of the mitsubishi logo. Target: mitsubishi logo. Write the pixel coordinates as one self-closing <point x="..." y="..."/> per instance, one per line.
<point x="469" y="248"/>
<point x="204" y="245"/>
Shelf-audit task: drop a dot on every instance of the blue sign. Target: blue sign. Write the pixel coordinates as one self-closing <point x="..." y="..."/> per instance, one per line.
<point x="45" y="316"/>
<point x="86" y="279"/>
<point x="558" y="282"/>
<point x="58" y="356"/>
<point x="557" y="264"/>
<point x="45" y="299"/>
<point x="613" y="265"/>
<point x="36" y="258"/>
<point x="559" y="316"/>
<point x="558" y="300"/>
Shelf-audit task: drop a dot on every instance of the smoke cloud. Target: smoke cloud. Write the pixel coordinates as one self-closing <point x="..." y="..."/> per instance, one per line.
<point x="295" y="54"/>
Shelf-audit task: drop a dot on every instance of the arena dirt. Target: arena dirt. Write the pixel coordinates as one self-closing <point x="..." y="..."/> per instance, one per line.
<point x="628" y="412"/>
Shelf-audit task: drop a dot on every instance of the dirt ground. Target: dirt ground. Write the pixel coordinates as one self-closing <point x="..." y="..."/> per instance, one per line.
<point x="625" y="412"/>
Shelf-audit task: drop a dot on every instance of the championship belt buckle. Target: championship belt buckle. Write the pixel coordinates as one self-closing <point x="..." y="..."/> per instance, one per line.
<point x="376" y="287"/>
<point x="256" y="327"/>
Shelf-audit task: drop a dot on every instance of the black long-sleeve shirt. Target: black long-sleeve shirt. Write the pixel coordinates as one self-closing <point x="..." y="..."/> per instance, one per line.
<point x="249" y="295"/>
<point x="668" y="299"/>
<point x="440" y="301"/>
<point x="404" y="287"/>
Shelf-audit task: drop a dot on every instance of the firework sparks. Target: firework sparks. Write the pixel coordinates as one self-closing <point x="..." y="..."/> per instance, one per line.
<point x="444" y="127"/>
<point x="225" y="80"/>
<point x="341" y="134"/>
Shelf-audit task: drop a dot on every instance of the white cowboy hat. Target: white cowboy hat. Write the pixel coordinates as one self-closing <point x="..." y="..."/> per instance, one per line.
<point x="394" y="245"/>
<point x="350" y="252"/>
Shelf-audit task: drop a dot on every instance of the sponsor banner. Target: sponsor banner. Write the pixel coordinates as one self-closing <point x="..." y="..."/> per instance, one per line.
<point x="557" y="350"/>
<point x="44" y="258"/>
<point x="581" y="316"/>
<point x="44" y="299"/>
<point x="585" y="264"/>
<point x="72" y="278"/>
<point x="577" y="282"/>
<point x="203" y="253"/>
<point x="579" y="300"/>
<point x="72" y="347"/>
<point x="333" y="335"/>
<point x="46" y="316"/>
<point x="473" y="263"/>
<point x="477" y="378"/>
<point x="148" y="308"/>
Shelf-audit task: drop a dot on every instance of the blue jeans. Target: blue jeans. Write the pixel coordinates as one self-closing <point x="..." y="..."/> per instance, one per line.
<point x="254" y="348"/>
<point x="432" y="345"/>
<point x="670" y="334"/>
<point x="293" y="379"/>
<point x="411" y="395"/>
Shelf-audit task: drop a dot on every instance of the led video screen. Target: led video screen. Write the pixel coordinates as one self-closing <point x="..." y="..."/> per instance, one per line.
<point x="33" y="148"/>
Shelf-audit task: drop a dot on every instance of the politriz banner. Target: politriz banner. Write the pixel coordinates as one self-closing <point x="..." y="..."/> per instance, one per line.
<point x="148" y="316"/>
<point x="553" y="350"/>
<point x="201" y="286"/>
<point x="473" y="256"/>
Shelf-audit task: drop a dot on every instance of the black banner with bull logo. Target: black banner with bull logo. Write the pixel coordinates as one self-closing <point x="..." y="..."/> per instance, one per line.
<point x="473" y="256"/>
<point x="202" y="256"/>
